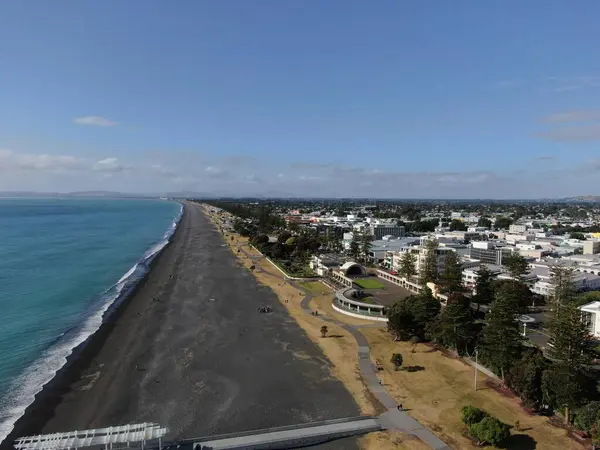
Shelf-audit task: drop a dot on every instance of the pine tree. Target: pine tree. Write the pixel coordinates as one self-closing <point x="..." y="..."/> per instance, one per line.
<point x="568" y="337"/>
<point x="429" y="271"/>
<point x="563" y="287"/>
<point x="355" y="245"/>
<point x="517" y="266"/>
<point x="484" y="290"/>
<point x="366" y="245"/>
<point x="502" y="340"/>
<point x="408" y="265"/>
<point x="451" y="277"/>
<point x="455" y="326"/>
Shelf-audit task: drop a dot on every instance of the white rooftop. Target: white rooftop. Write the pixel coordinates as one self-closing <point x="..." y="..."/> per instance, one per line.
<point x="593" y="307"/>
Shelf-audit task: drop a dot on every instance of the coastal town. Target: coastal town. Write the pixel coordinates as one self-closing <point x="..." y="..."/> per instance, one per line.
<point x="511" y="289"/>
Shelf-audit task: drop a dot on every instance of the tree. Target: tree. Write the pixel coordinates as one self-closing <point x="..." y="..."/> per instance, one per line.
<point x="525" y="378"/>
<point x="519" y="293"/>
<point x="586" y="297"/>
<point x="587" y="416"/>
<point x="484" y="222"/>
<point x="429" y="269"/>
<point x="284" y="236"/>
<point x="451" y="277"/>
<point x="457" y="225"/>
<point x="324" y="331"/>
<point x="517" y="266"/>
<point x="424" y="308"/>
<point x="366" y="245"/>
<point x="563" y="286"/>
<point x="568" y="332"/>
<point x="470" y="415"/>
<point x="576" y="235"/>
<point x="400" y="320"/>
<point x="502" y="223"/>
<point x="502" y="340"/>
<point x="490" y="431"/>
<point x="484" y="290"/>
<point x="397" y="361"/>
<point x="455" y="326"/>
<point x="562" y="388"/>
<point x="411" y="315"/>
<point x="354" y="247"/>
<point x="408" y="265"/>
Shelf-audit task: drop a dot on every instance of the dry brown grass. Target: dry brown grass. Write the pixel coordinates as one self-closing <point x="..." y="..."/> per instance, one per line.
<point x="435" y="395"/>
<point x="391" y="440"/>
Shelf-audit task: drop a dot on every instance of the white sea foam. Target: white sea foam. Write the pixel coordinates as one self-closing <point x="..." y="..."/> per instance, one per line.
<point x="36" y="376"/>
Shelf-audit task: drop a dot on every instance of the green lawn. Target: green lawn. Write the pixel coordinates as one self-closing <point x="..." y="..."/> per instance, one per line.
<point x="369" y="283"/>
<point x="315" y="287"/>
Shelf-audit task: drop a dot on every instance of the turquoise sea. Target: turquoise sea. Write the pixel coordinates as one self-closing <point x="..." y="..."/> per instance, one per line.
<point x="63" y="264"/>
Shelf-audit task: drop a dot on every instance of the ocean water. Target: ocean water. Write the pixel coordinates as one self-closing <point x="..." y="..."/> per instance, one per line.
<point x="63" y="264"/>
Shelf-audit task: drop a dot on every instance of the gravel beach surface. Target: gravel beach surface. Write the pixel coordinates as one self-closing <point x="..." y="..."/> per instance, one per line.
<point x="191" y="352"/>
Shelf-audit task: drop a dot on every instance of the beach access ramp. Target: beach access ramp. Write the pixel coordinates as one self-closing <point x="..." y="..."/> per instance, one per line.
<point x="289" y="436"/>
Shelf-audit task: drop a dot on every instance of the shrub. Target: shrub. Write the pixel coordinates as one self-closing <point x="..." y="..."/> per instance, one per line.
<point x="587" y="416"/>
<point x="490" y="431"/>
<point x="397" y="360"/>
<point x="471" y="415"/>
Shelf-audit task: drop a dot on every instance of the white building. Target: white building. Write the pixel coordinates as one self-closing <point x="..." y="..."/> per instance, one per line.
<point x="517" y="229"/>
<point x="421" y="254"/>
<point x="591" y="316"/>
<point x="591" y="247"/>
<point x="469" y="274"/>
<point x="514" y="238"/>
<point x="323" y="264"/>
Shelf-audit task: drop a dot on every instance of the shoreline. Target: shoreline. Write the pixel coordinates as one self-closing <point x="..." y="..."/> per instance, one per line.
<point x="42" y="409"/>
<point x="190" y="352"/>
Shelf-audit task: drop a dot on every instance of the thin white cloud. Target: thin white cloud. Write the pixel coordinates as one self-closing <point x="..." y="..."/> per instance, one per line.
<point x="39" y="162"/>
<point x="96" y="121"/>
<point x="112" y="165"/>
<point x="571" y="83"/>
<point x="214" y="172"/>
<point x="573" y="116"/>
<point x="581" y="133"/>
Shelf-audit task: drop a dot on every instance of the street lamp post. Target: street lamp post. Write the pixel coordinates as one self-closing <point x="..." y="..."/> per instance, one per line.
<point x="476" y="355"/>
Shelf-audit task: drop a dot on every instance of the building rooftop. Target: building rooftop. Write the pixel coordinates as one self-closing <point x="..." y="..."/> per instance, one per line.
<point x="593" y="307"/>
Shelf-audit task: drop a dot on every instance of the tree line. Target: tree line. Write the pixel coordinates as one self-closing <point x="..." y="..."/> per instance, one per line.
<point x="560" y="380"/>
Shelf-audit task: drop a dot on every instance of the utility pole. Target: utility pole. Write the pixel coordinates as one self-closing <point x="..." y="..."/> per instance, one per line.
<point x="476" y="354"/>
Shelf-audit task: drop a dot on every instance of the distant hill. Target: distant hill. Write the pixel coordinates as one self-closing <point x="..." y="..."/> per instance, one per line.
<point x="584" y="198"/>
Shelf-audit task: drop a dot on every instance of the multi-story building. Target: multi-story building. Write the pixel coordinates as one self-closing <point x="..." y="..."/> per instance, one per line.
<point x="380" y="230"/>
<point x="393" y="259"/>
<point x="517" y="229"/>
<point x="591" y="247"/>
<point x="488" y="253"/>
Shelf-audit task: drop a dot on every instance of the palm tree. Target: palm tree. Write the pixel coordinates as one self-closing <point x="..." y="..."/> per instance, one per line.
<point x="324" y="331"/>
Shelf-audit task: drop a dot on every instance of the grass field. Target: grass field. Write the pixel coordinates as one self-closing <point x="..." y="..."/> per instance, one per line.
<point x="369" y="283"/>
<point x="435" y="394"/>
<point x="315" y="287"/>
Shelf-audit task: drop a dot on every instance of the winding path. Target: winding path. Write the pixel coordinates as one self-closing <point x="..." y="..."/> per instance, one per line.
<point x="393" y="419"/>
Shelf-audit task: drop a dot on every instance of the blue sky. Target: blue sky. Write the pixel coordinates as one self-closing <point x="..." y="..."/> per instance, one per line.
<point x="320" y="98"/>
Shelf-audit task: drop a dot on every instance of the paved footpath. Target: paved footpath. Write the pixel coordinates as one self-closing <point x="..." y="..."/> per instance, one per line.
<point x="392" y="419"/>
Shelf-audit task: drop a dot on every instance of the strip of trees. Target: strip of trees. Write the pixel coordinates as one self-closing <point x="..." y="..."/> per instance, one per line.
<point x="560" y="380"/>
